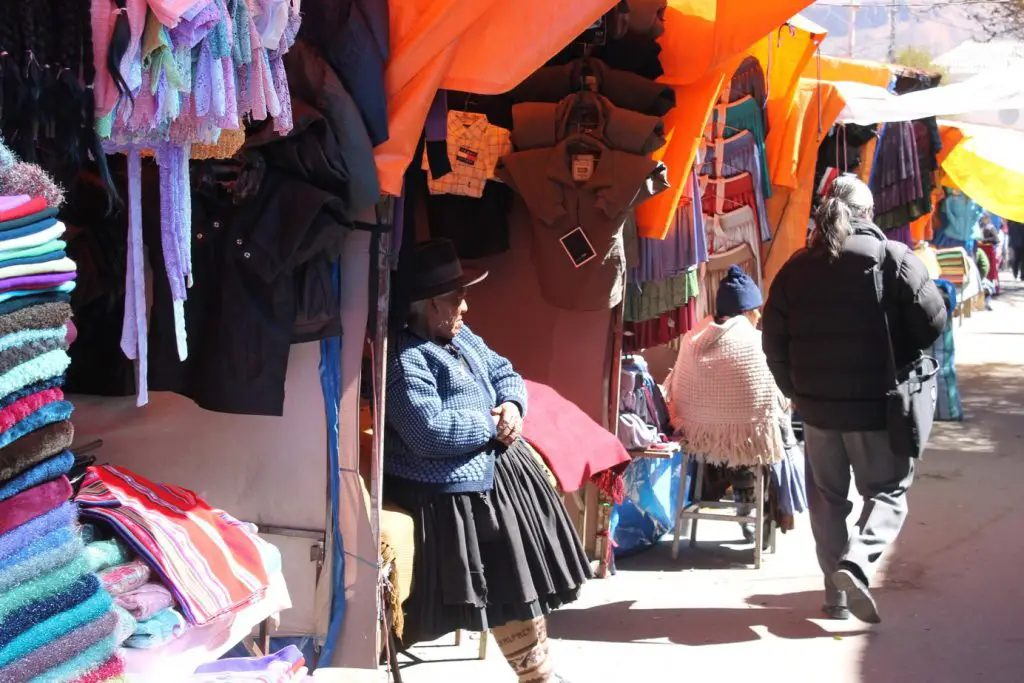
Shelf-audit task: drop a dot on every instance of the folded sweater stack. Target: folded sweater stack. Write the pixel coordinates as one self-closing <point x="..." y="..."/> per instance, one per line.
<point x="146" y="613"/>
<point x="56" y="621"/>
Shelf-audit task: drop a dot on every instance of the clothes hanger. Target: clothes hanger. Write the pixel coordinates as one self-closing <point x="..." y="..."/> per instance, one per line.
<point x="726" y="202"/>
<point x="584" y="113"/>
<point x="587" y="75"/>
<point x="582" y="143"/>
<point x="731" y="204"/>
<point x="737" y="132"/>
<point x="726" y="166"/>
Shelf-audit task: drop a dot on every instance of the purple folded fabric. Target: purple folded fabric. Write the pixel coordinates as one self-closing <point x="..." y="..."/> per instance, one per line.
<point x="145" y="601"/>
<point x="32" y="503"/>
<point x="125" y="578"/>
<point x="284" y="660"/>
<point x="13" y="201"/>
<point x="63" y="649"/>
<point x="12" y="543"/>
<point x="35" y="281"/>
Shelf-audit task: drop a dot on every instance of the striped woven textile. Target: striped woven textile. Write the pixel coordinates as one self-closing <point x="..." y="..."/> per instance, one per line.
<point x="953" y="265"/>
<point x="209" y="560"/>
<point x="948" y="407"/>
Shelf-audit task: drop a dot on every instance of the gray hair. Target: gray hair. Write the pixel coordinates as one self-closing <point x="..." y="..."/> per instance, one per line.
<point x="847" y="200"/>
<point x="418" y="310"/>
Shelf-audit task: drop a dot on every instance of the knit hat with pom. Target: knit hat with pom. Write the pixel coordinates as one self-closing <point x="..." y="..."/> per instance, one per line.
<point x="737" y="294"/>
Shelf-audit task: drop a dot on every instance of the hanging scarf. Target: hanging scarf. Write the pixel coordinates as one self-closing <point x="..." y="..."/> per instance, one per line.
<point x="724" y="396"/>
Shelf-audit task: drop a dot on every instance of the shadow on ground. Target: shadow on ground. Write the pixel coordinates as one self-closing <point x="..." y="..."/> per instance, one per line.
<point x="619" y="622"/>
<point x="993" y="401"/>
<point x="952" y="593"/>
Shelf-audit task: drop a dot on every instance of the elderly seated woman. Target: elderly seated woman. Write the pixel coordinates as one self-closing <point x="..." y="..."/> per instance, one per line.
<point x="495" y="549"/>
<point x="723" y="396"/>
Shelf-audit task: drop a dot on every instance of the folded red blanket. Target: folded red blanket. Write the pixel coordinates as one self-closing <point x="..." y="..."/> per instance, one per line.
<point x="574" y="446"/>
<point x="22" y="408"/>
<point x="34" y="205"/>
<point x="32" y="503"/>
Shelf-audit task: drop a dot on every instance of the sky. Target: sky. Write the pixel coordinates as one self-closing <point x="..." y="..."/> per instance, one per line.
<point x="934" y="25"/>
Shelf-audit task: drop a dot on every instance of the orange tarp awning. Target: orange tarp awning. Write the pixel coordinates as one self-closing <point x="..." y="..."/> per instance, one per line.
<point x="483" y="46"/>
<point x="489" y="47"/>
<point x="987" y="164"/>
<point x="816" y="108"/>
<point x="784" y="54"/>
<point x="701" y="35"/>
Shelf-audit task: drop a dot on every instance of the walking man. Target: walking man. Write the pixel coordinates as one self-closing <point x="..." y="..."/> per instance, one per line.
<point x="1016" y="234"/>
<point x="824" y="336"/>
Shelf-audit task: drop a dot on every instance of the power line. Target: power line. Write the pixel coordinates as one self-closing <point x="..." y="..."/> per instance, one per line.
<point x="924" y="5"/>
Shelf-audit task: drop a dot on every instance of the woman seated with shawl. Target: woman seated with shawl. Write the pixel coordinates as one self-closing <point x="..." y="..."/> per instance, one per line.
<point x="724" y="399"/>
<point x="495" y="548"/>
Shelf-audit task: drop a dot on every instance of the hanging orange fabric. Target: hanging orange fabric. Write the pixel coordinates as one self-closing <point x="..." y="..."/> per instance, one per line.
<point x="684" y="128"/>
<point x="837" y="69"/>
<point x="817" y="106"/>
<point x="785" y="54"/>
<point x="704" y="43"/>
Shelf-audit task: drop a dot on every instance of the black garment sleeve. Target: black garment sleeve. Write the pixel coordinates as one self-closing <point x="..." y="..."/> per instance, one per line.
<point x="922" y="311"/>
<point x="775" y="336"/>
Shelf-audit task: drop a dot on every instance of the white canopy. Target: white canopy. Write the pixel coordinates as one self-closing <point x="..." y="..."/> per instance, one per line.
<point x="994" y="91"/>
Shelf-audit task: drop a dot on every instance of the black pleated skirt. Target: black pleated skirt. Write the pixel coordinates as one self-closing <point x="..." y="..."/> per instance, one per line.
<point x="486" y="559"/>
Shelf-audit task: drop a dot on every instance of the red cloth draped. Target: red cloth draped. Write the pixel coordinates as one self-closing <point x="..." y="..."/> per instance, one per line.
<point x="575" y="447"/>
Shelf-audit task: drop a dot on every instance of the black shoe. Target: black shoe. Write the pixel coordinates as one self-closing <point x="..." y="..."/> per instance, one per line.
<point x="862" y="605"/>
<point x="836" y="612"/>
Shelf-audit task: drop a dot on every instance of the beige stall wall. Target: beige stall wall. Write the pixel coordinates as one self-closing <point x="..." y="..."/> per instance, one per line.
<point x="568" y="350"/>
<point x="267" y="470"/>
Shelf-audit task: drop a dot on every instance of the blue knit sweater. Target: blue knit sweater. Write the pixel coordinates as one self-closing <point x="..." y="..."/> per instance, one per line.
<point x="439" y="426"/>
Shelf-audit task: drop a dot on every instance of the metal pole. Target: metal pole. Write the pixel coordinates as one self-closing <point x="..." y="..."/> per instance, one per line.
<point x="893" y="16"/>
<point x="379" y="345"/>
<point x="603" y="542"/>
<point x="854" y="6"/>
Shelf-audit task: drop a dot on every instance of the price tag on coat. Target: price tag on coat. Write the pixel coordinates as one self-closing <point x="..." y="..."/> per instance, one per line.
<point x="582" y="167"/>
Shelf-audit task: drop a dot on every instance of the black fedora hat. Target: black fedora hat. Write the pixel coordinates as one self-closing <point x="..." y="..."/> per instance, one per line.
<point x="436" y="270"/>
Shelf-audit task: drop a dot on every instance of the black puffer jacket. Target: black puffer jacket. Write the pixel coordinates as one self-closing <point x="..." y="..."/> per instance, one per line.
<point x="824" y="334"/>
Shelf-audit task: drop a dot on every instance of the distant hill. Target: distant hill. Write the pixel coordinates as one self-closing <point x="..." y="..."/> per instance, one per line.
<point x="937" y="29"/>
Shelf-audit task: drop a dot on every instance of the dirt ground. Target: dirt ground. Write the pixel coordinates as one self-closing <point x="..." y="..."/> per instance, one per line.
<point x="950" y="595"/>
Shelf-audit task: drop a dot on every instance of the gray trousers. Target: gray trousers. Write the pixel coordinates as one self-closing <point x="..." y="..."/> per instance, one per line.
<point x="882" y="480"/>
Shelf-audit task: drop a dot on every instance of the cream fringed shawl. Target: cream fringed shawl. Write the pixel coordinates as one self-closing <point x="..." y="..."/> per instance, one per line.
<point x="724" y="398"/>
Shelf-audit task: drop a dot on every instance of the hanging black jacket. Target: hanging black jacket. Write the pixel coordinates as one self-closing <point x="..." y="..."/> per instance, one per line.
<point x="824" y="334"/>
<point x="264" y="257"/>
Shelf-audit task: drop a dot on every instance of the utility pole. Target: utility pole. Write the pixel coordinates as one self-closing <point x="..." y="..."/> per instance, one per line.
<point x="893" y="16"/>
<point x="854" y="6"/>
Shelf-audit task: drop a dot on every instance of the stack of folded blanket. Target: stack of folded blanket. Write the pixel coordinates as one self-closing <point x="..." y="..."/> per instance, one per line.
<point x="146" y="613"/>
<point x="57" y="623"/>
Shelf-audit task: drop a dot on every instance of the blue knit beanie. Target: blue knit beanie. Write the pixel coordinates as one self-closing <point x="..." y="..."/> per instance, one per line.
<point x="737" y="294"/>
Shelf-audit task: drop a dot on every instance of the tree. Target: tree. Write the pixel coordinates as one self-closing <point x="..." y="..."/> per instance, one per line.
<point x="1001" y="18"/>
<point x="919" y="58"/>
